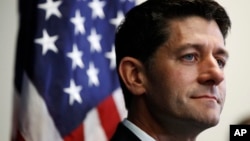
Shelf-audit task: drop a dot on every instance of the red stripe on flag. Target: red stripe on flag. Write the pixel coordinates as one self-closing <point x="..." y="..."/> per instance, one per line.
<point x="76" y="135"/>
<point x="109" y="116"/>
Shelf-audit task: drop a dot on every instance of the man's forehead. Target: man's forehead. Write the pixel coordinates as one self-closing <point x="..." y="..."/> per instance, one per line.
<point x="181" y="27"/>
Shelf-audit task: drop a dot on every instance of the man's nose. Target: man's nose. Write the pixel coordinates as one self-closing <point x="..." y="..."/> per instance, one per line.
<point x="210" y="73"/>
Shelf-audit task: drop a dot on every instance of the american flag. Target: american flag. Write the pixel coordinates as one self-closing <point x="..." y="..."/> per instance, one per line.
<point x="66" y="84"/>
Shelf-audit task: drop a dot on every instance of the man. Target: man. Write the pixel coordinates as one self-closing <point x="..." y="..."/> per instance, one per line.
<point x="171" y="56"/>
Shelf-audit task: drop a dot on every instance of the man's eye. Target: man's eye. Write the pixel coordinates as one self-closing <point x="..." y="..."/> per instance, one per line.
<point x="221" y="63"/>
<point x="189" y="57"/>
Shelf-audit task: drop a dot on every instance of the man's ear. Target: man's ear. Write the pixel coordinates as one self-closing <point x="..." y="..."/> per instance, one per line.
<point x="133" y="75"/>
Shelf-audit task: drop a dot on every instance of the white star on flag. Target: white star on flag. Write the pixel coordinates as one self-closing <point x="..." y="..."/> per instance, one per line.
<point x="97" y="8"/>
<point x="94" y="40"/>
<point x="74" y="92"/>
<point x="78" y="21"/>
<point x="92" y="73"/>
<point x="111" y="56"/>
<point x="47" y="42"/>
<point x="51" y="8"/>
<point x="76" y="56"/>
<point x="116" y="21"/>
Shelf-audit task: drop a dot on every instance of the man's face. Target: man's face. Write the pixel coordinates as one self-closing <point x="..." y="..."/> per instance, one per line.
<point x="186" y="80"/>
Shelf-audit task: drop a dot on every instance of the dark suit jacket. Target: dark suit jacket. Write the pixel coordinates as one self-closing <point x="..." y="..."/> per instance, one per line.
<point x="122" y="133"/>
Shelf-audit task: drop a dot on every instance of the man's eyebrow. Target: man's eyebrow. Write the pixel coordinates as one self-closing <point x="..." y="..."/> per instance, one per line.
<point x="222" y="51"/>
<point x="187" y="46"/>
<point x="219" y="50"/>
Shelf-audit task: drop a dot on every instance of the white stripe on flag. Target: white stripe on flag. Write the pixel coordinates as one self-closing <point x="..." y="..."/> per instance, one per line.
<point x="36" y="123"/>
<point x="119" y="102"/>
<point x="93" y="128"/>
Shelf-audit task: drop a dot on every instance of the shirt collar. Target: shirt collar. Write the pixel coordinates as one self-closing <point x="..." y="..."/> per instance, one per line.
<point x="137" y="131"/>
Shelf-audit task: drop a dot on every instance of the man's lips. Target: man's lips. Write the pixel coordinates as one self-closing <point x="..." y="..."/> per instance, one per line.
<point x="206" y="97"/>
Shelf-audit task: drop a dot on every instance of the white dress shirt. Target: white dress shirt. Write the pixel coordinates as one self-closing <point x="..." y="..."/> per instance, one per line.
<point x="137" y="131"/>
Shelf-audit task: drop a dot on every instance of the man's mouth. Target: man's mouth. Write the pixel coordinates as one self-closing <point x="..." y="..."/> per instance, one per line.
<point x="206" y="97"/>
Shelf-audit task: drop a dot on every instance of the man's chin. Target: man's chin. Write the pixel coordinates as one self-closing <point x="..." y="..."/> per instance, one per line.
<point x="206" y="123"/>
<point x="210" y="123"/>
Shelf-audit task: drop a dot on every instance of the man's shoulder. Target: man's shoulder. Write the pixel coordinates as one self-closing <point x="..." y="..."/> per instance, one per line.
<point x="122" y="133"/>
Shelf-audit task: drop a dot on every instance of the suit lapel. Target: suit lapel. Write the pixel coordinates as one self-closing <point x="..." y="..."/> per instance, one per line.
<point x="124" y="134"/>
